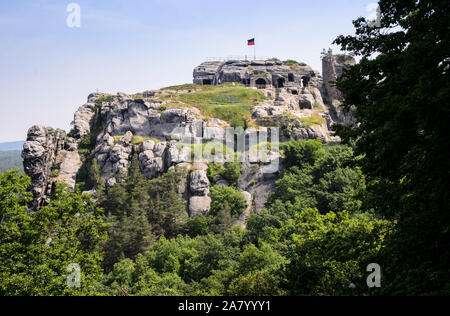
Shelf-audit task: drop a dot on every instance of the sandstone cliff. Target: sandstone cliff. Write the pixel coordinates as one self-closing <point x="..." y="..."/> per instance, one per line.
<point x="160" y="128"/>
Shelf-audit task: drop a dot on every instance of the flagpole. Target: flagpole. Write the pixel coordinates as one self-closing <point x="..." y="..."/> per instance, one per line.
<point x="254" y="46"/>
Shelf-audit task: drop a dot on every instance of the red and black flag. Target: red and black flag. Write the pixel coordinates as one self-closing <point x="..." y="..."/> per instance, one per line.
<point x="251" y="42"/>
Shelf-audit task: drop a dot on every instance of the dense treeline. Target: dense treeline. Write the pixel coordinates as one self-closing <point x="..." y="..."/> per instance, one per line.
<point x="312" y="239"/>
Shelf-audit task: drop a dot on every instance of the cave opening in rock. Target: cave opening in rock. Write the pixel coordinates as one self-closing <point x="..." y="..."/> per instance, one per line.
<point x="291" y="78"/>
<point x="207" y="82"/>
<point x="261" y="83"/>
<point x="305" y="81"/>
<point x="280" y="82"/>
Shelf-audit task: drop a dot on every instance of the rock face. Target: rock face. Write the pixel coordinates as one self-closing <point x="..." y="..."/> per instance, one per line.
<point x="332" y="68"/>
<point x="39" y="153"/>
<point x="199" y="183"/>
<point x="158" y="132"/>
<point x="199" y="205"/>
<point x="200" y="202"/>
<point x="242" y="221"/>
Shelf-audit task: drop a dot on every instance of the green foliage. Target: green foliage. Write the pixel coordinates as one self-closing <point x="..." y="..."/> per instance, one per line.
<point x="303" y="153"/>
<point x="326" y="179"/>
<point x="399" y="92"/>
<point x="54" y="171"/>
<point x="101" y="100"/>
<point x="214" y="169"/>
<point x="232" y="172"/>
<point x="140" y="211"/>
<point x="198" y="226"/>
<point x="87" y="144"/>
<point x="205" y="265"/>
<point x="36" y="247"/>
<point x="227" y="196"/>
<point x="325" y="251"/>
<point x="10" y="160"/>
<point x="329" y="252"/>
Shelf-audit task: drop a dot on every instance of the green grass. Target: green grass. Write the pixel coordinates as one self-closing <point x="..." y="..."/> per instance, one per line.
<point x="139" y="140"/>
<point x="318" y="106"/>
<point x="229" y="103"/>
<point x="188" y="86"/>
<point x="136" y="139"/>
<point x="293" y="64"/>
<point x="313" y="120"/>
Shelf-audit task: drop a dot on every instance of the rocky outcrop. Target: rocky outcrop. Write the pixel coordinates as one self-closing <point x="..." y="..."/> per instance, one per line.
<point x="200" y="202"/>
<point x="39" y="153"/>
<point x="332" y="68"/>
<point x="199" y="205"/>
<point x="160" y="132"/>
<point x="114" y="158"/>
<point x="70" y="163"/>
<point x="242" y="221"/>
<point x="83" y="120"/>
<point x="152" y="159"/>
<point x="199" y="183"/>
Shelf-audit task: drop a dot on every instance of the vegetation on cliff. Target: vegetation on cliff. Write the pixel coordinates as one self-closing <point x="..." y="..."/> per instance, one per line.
<point x="230" y="103"/>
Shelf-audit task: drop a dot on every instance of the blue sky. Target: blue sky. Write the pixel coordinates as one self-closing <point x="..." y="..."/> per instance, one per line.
<point x="47" y="69"/>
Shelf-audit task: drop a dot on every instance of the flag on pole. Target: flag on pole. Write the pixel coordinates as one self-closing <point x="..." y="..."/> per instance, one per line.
<point x="251" y="42"/>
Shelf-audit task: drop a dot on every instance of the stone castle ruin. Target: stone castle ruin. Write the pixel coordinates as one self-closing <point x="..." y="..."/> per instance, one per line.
<point x="280" y="79"/>
<point x="260" y="74"/>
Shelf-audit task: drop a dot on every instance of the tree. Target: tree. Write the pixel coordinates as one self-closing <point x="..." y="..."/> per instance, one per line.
<point x="303" y="153"/>
<point x="234" y="199"/>
<point x="222" y="221"/>
<point x="232" y="172"/>
<point x="327" y="253"/>
<point x="37" y="247"/>
<point x="400" y="92"/>
<point x="140" y="211"/>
